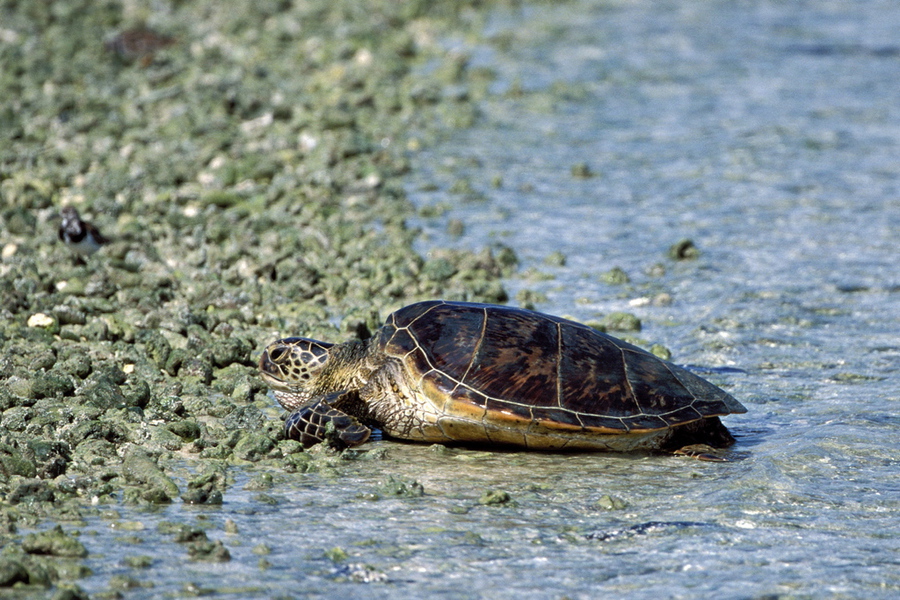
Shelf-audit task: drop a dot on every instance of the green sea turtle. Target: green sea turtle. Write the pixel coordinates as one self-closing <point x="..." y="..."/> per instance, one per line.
<point x="458" y="372"/>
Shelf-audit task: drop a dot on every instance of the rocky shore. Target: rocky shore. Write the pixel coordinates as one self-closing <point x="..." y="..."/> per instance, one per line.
<point x="245" y="162"/>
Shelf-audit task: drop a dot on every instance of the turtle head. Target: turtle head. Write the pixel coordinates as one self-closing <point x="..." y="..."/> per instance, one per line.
<point x="291" y="367"/>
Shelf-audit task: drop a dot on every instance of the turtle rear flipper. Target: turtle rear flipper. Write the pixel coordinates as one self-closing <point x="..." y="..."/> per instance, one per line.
<point x="320" y="422"/>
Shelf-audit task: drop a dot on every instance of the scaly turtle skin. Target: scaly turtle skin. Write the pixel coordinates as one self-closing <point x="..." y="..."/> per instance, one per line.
<point x="477" y="373"/>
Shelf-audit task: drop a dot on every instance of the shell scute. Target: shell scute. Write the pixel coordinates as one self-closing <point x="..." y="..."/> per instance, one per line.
<point x="593" y="376"/>
<point x="517" y="362"/>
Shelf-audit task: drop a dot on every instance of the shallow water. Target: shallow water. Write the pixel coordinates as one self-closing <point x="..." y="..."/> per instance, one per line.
<point x="768" y="133"/>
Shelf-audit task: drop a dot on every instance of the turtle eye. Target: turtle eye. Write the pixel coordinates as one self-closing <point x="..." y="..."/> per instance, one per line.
<point x="277" y="353"/>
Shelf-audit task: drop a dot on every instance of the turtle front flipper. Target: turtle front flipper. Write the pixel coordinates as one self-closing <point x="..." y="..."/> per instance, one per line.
<point x="320" y="422"/>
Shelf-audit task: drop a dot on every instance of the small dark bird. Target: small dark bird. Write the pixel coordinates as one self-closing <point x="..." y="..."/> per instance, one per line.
<point x="79" y="235"/>
<point x="138" y="44"/>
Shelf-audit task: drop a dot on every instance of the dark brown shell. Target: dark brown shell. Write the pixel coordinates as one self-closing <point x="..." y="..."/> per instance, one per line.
<point x="513" y="364"/>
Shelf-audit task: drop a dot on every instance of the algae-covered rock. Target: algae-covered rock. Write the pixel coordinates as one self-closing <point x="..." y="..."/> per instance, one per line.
<point x="54" y="542"/>
<point x="253" y="446"/>
<point x="208" y="551"/>
<point x="615" y="276"/>
<point x="156" y="346"/>
<point x="231" y="350"/>
<point x="607" y="502"/>
<point x="186" y="533"/>
<point x="51" y="458"/>
<point x="12" y="572"/>
<point x="621" y="321"/>
<point x="661" y="351"/>
<point x="684" y="250"/>
<point x="76" y="363"/>
<point x="206" y="488"/>
<point x="494" y="498"/>
<point x="196" y="369"/>
<point x="14" y="462"/>
<point x="140" y="468"/>
<point x="16" y="418"/>
<point x="32" y="491"/>
<point x="69" y="591"/>
<point x="102" y="390"/>
<point x="141" y="561"/>
<point x="404" y="488"/>
<point x="161" y="438"/>
<point x="136" y="394"/>
<point x="96" y="429"/>
<point x="188" y="430"/>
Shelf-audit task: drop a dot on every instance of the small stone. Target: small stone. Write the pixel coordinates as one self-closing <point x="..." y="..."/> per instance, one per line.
<point x="621" y="321"/>
<point x="31" y="491"/>
<point x="123" y="582"/>
<point x="262" y="549"/>
<point x="494" y="498"/>
<point x="607" y="502"/>
<point x="615" y="276"/>
<point x="393" y="486"/>
<point x="656" y="270"/>
<point x="155" y="495"/>
<point x="662" y="299"/>
<point x="266" y="499"/>
<point x="43" y="321"/>
<point x="68" y="591"/>
<point x="54" y="542"/>
<point x="529" y="298"/>
<point x="187" y="429"/>
<point x="555" y="259"/>
<point x="259" y="482"/>
<point x="202" y="496"/>
<point x="140" y="468"/>
<point x="684" y="250"/>
<point x="128" y="525"/>
<point x="253" y="446"/>
<point x="360" y="573"/>
<point x="582" y="170"/>
<point x="208" y="551"/>
<point x="336" y="554"/>
<point x="660" y="351"/>
<point x="12" y="572"/>
<point x="455" y="228"/>
<point x="186" y="533"/>
<point x="138" y="562"/>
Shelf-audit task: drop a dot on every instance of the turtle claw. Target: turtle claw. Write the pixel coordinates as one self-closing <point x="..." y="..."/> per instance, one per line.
<point x="701" y="452"/>
<point x="320" y="422"/>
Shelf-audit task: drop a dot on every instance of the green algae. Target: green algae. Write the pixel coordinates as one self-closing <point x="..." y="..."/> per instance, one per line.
<point x="495" y="498"/>
<point x="620" y="321"/>
<point x="251" y="186"/>
<point x="54" y="542"/>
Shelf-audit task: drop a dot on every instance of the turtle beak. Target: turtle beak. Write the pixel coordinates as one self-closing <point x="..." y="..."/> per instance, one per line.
<point x="269" y="369"/>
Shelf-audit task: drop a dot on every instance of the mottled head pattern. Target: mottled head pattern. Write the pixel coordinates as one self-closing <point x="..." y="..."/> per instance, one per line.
<point x="291" y="366"/>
